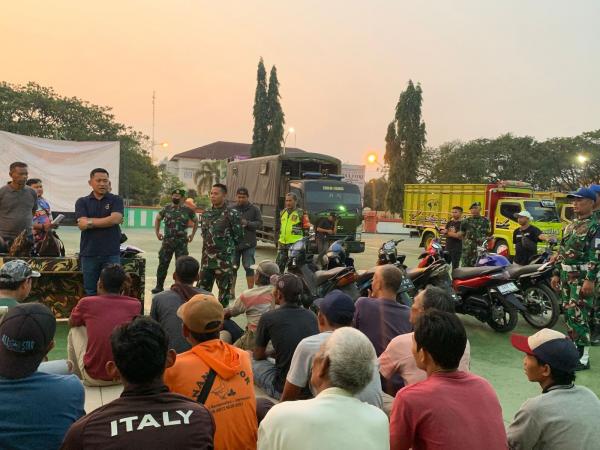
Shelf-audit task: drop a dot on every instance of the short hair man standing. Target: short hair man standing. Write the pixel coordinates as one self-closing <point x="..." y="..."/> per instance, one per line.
<point x="221" y="230"/>
<point x="231" y="396"/>
<point x="165" y="304"/>
<point x="93" y="320"/>
<point x="336" y="310"/>
<point x="473" y="230"/>
<point x="290" y="229"/>
<point x="428" y="414"/>
<point x="175" y="240"/>
<point x="334" y="418"/>
<point x="18" y="204"/>
<point x="453" y="236"/>
<point x="251" y="220"/>
<point x="98" y="217"/>
<point x="324" y="228"/>
<point x="398" y="360"/>
<point x="284" y="327"/>
<point x="15" y="282"/>
<point x="146" y="415"/>
<point x="36" y="408"/>
<point x="380" y="316"/>
<point x="564" y="416"/>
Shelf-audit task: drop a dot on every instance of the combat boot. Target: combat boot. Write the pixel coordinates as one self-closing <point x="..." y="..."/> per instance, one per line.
<point x="595" y="335"/>
<point x="157" y="289"/>
<point x="584" y="358"/>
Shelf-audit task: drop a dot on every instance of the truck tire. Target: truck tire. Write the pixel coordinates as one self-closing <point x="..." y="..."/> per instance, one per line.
<point x="542" y="306"/>
<point x="503" y="317"/>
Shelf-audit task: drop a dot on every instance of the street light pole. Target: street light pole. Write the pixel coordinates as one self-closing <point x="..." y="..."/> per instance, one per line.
<point x="153" y="120"/>
<point x="290" y="130"/>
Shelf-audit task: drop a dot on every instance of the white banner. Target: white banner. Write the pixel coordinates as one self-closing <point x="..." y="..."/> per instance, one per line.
<point x="63" y="166"/>
<point x="355" y="173"/>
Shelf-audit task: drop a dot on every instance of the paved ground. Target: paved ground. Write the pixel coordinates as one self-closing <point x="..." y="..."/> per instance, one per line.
<point x="491" y="353"/>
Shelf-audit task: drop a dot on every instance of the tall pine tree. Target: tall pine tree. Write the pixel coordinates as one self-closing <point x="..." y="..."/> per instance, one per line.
<point x="276" y="116"/>
<point x="260" y="112"/>
<point x="408" y="145"/>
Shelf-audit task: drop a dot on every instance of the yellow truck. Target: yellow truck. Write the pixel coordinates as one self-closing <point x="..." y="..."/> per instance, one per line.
<point x="563" y="205"/>
<point x="427" y="206"/>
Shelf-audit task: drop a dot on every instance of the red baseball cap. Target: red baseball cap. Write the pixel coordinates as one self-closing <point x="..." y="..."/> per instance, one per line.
<point x="549" y="346"/>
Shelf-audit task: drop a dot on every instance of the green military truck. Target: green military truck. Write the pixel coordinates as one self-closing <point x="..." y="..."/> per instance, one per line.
<point x="317" y="182"/>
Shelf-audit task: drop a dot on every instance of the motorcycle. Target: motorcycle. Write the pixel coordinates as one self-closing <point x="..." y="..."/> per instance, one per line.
<point x="433" y="268"/>
<point x="541" y="302"/>
<point x="488" y="294"/>
<point x="388" y="254"/>
<point x="318" y="283"/>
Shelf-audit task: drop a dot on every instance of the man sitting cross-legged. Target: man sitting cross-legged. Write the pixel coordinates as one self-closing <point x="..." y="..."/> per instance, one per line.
<point x="146" y="416"/>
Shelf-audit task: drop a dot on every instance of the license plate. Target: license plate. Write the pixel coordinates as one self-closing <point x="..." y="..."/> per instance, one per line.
<point x="508" y="288"/>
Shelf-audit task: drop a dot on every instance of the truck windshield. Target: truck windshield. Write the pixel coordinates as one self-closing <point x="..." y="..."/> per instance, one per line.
<point x="323" y="196"/>
<point x="542" y="213"/>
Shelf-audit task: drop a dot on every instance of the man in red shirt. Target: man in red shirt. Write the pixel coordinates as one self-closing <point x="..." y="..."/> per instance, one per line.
<point x="93" y="320"/>
<point x="450" y="409"/>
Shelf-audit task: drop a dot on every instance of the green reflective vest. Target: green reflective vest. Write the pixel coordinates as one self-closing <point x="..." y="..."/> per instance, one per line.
<point x="290" y="226"/>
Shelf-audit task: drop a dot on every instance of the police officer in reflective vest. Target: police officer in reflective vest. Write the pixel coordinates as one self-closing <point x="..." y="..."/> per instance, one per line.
<point x="290" y="229"/>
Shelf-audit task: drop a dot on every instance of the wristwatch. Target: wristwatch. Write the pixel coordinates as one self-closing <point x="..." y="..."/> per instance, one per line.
<point x="90" y="223"/>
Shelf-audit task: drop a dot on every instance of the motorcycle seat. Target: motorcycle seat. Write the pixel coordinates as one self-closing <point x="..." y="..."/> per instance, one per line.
<point x="469" y="272"/>
<point x="414" y="272"/>
<point x="365" y="274"/>
<point x="515" y="270"/>
<point x="323" y="275"/>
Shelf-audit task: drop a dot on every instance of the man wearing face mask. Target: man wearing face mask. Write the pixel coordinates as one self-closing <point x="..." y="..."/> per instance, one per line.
<point x="175" y="238"/>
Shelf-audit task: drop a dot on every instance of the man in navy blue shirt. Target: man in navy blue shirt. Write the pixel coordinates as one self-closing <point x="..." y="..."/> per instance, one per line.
<point x="98" y="217"/>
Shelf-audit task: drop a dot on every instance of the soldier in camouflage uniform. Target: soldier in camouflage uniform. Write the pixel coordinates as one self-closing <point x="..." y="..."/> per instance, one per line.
<point x="473" y="230"/>
<point x="577" y="270"/>
<point x="595" y="316"/>
<point x="175" y="240"/>
<point x="222" y="231"/>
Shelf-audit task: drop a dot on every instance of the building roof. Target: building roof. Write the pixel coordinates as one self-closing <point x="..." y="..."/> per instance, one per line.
<point x="222" y="150"/>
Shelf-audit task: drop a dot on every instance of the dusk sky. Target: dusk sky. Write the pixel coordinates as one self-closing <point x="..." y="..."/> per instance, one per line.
<point x="486" y="67"/>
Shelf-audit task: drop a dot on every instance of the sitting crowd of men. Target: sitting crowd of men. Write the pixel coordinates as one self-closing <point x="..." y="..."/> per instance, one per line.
<point x="345" y="377"/>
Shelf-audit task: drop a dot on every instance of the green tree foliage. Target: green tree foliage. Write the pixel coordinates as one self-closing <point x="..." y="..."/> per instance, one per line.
<point x="209" y="173"/>
<point x="549" y="165"/>
<point x="276" y="116"/>
<point x="169" y="182"/>
<point x="375" y="194"/>
<point x="35" y="110"/>
<point x="405" y="142"/>
<point x="260" y="113"/>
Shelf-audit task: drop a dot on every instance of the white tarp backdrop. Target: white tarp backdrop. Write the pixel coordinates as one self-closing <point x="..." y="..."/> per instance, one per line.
<point x="63" y="166"/>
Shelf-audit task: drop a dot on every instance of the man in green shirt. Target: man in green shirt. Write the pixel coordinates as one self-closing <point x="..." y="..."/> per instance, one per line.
<point x="15" y="282"/>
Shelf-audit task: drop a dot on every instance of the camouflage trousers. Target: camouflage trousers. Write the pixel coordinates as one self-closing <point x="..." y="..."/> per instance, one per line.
<point x="165" y="254"/>
<point x="468" y="257"/>
<point x="282" y="256"/>
<point x="577" y="308"/>
<point x="224" y="279"/>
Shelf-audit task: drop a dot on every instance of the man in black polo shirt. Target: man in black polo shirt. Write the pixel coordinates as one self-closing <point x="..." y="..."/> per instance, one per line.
<point x="98" y="216"/>
<point x="285" y="327"/>
<point x="453" y="236"/>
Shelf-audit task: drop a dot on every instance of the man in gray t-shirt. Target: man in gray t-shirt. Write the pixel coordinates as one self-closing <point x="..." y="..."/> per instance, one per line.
<point x="18" y="204"/>
<point x="336" y="310"/>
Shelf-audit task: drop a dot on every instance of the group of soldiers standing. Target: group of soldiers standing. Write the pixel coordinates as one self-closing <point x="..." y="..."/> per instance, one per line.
<point x="228" y="237"/>
<point x="577" y="263"/>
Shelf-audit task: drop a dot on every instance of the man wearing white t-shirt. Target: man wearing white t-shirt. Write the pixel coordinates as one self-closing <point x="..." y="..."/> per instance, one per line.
<point x="397" y="363"/>
<point x="336" y="310"/>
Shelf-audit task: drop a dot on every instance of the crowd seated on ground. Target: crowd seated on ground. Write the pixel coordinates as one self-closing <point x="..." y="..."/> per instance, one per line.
<point x="397" y="364"/>
<point x="324" y="371"/>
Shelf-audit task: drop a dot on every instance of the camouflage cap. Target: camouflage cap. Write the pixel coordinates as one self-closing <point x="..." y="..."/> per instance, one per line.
<point x="475" y="205"/>
<point x="17" y="270"/>
<point x="178" y="191"/>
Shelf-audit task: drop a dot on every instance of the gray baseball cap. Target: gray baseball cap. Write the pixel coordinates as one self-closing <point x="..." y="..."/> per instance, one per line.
<point x="266" y="267"/>
<point x="17" y="270"/>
